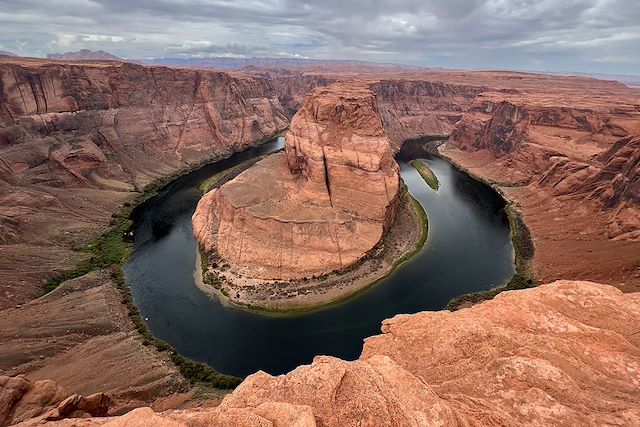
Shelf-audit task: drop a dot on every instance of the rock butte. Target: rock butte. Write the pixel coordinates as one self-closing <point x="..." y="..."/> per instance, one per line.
<point x="320" y="206"/>
<point x="567" y="353"/>
<point x="78" y="138"/>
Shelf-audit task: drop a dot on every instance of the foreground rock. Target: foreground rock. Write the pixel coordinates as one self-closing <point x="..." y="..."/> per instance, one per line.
<point x="567" y="353"/>
<point x="320" y="206"/>
<point x="21" y="399"/>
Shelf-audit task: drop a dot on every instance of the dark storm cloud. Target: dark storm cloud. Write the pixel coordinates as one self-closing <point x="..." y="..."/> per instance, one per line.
<point x="586" y="35"/>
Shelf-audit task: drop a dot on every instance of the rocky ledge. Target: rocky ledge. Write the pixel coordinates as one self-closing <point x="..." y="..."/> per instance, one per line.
<point x="567" y="353"/>
<point x="321" y="206"/>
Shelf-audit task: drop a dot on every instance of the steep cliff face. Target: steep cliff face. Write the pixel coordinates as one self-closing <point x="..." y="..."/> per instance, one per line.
<point x="506" y="124"/>
<point x="566" y="353"/>
<point x="570" y="161"/>
<point x="292" y="88"/>
<point x="91" y="124"/>
<point x="76" y="140"/>
<point x="319" y="206"/>
<point x="416" y="108"/>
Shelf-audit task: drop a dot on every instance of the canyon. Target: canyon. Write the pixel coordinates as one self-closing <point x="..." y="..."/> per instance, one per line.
<point x="77" y="141"/>
<point x="81" y="140"/>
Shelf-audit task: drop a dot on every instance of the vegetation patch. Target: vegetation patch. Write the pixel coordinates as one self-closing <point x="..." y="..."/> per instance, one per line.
<point x="522" y="279"/>
<point x="516" y="282"/>
<point x="110" y="251"/>
<point x="195" y="372"/>
<point x="426" y="173"/>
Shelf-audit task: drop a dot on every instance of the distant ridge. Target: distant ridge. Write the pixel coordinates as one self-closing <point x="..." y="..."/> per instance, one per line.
<point x="5" y="53"/>
<point x="239" y="63"/>
<point x="85" y="55"/>
<point x="627" y="79"/>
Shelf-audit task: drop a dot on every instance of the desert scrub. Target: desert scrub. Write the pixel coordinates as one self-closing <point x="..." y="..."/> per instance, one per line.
<point x="522" y="240"/>
<point x="516" y="282"/>
<point x="426" y="173"/>
<point x="108" y="249"/>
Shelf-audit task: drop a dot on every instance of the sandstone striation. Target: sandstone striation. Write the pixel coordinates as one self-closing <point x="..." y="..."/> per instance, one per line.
<point x="79" y="139"/>
<point x="570" y="162"/>
<point x="320" y="206"/>
<point x="81" y="337"/>
<point x="567" y="353"/>
<point x="416" y="108"/>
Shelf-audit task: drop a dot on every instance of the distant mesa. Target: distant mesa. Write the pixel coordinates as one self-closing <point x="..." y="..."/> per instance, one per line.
<point x="5" y="53"/>
<point x="85" y="55"/>
<point x="224" y="63"/>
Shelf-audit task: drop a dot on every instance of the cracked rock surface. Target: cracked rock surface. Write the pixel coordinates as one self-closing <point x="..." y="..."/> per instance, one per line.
<point x="320" y="206"/>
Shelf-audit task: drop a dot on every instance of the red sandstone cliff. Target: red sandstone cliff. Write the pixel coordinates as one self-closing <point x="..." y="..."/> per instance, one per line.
<point x="416" y="108"/>
<point x="570" y="161"/>
<point x="77" y="139"/>
<point x="292" y="87"/>
<point x="320" y="206"/>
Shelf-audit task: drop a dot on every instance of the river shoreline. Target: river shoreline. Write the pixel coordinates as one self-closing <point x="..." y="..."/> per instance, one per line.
<point x="406" y="236"/>
<point x="110" y="251"/>
<point x="466" y="222"/>
<point x="521" y="238"/>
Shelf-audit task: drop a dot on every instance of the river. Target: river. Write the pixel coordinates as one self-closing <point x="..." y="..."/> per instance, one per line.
<point x="468" y="250"/>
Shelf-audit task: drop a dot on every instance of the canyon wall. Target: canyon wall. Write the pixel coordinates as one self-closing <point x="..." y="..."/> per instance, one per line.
<point x="292" y="87"/>
<point x="78" y="140"/>
<point x="570" y="160"/>
<point x="413" y="108"/>
<point x="566" y="353"/>
<point x="320" y="206"/>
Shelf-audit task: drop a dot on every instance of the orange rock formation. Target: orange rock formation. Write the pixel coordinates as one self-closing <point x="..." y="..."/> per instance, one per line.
<point x="320" y="206"/>
<point x="567" y="353"/>
<point x="570" y="161"/>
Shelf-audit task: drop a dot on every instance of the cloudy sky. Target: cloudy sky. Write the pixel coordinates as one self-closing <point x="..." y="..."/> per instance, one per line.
<point x="553" y="35"/>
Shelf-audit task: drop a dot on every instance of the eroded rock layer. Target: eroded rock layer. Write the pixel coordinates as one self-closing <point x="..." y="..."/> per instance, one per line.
<point x="78" y="139"/>
<point x="571" y="163"/>
<point x="45" y="400"/>
<point x="320" y="206"/>
<point x="567" y="353"/>
<point x="416" y="108"/>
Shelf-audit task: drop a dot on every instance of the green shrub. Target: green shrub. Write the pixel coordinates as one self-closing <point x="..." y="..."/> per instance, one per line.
<point x="516" y="282"/>
<point x="109" y="251"/>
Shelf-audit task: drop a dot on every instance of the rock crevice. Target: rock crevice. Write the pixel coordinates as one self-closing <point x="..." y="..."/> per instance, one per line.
<point x="320" y="206"/>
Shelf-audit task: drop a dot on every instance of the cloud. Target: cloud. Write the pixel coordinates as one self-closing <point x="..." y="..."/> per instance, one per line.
<point x="617" y="60"/>
<point x="558" y="34"/>
<point x="102" y="38"/>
